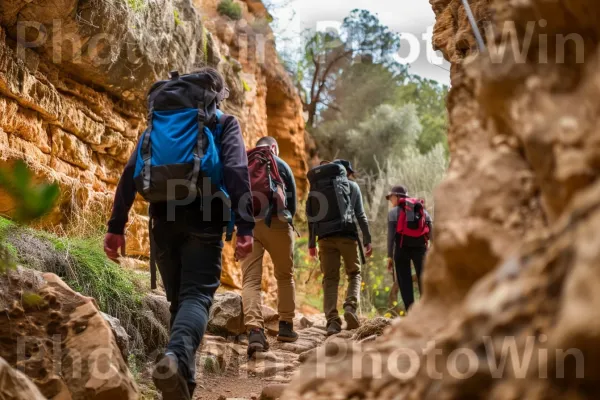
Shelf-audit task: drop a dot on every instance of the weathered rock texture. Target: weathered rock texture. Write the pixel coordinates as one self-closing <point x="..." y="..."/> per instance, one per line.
<point x="516" y="252"/>
<point x="73" y="77"/>
<point x="15" y="385"/>
<point x="60" y="340"/>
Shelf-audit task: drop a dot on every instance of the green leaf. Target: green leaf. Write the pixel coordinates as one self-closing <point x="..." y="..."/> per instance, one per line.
<point x="32" y="200"/>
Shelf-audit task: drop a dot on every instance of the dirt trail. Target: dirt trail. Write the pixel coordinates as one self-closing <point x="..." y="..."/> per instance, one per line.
<point x="224" y="371"/>
<point x="265" y="377"/>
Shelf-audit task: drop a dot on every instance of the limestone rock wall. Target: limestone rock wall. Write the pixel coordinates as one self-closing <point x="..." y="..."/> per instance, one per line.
<point x="73" y="77"/>
<point x="514" y="257"/>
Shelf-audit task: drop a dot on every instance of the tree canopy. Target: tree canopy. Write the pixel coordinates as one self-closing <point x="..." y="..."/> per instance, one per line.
<point x="328" y="54"/>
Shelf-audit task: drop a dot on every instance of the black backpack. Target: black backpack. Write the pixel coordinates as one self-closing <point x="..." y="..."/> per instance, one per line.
<point x="329" y="204"/>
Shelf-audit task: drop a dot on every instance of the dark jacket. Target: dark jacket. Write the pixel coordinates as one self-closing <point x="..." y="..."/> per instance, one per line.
<point x="361" y="217"/>
<point x="237" y="184"/>
<point x="393" y="225"/>
<point x="290" y="188"/>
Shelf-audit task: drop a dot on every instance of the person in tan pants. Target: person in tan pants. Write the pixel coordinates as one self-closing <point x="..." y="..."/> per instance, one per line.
<point x="330" y="250"/>
<point x="278" y="240"/>
<point x="342" y="245"/>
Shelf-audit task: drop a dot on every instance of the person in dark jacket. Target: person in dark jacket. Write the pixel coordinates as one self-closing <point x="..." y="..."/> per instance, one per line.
<point x="344" y="245"/>
<point x="412" y="249"/>
<point x="278" y="240"/>
<point x="187" y="245"/>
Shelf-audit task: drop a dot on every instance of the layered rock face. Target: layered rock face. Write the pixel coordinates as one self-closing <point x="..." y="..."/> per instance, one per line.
<point x="73" y="77"/>
<point x="510" y="305"/>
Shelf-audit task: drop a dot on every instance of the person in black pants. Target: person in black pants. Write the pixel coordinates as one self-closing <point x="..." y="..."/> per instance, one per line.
<point x="187" y="243"/>
<point x="401" y="251"/>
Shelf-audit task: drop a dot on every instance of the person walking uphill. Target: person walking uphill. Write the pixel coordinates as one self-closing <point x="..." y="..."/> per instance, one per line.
<point x="409" y="230"/>
<point x="332" y="207"/>
<point x="274" y="196"/>
<point x="191" y="166"/>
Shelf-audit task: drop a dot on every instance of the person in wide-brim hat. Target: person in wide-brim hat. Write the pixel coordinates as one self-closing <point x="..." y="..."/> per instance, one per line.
<point x="398" y="191"/>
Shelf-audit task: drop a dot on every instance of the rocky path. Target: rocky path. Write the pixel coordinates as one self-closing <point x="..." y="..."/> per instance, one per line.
<point x="225" y="372"/>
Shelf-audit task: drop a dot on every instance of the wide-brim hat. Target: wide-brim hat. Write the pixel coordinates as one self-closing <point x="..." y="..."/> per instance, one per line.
<point x="398" y="190"/>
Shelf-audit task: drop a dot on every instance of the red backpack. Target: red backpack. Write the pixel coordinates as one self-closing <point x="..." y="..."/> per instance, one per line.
<point x="412" y="227"/>
<point x="268" y="189"/>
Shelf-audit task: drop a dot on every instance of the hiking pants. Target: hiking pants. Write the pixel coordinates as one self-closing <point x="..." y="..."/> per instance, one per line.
<point x="330" y="251"/>
<point x="402" y="258"/>
<point x="278" y="241"/>
<point x="189" y="261"/>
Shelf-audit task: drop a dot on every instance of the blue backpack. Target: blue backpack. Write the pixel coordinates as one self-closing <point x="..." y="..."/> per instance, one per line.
<point x="179" y="154"/>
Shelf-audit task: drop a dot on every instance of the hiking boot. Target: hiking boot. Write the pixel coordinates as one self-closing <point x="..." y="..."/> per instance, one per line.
<point x="257" y="342"/>
<point x="168" y="380"/>
<point x="286" y="332"/>
<point x="334" y="327"/>
<point x="351" y="318"/>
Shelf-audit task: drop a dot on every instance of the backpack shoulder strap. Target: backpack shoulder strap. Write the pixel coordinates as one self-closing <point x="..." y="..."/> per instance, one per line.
<point x="217" y="136"/>
<point x="219" y="127"/>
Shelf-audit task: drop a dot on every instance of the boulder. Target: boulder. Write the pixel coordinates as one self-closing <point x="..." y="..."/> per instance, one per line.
<point x="226" y="315"/>
<point x="15" y="385"/>
<point x="120" y="333"/>
<point x="60" y="340"/>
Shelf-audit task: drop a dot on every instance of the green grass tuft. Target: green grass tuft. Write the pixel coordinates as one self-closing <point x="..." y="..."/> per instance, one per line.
<point x="11" y="250"/>
<point x="231" y="9"/>
<point x="8" y="252"/>
<point x="5" y="224"/>
<point x="205" y="43"/>
<point x="177" y="17"/>
<point x="31" y="300"/>
<point x="247" y="87"/>
<point x="94" y="275"/>
<point x="82" y="264"/>
<point x="136" y="5"/>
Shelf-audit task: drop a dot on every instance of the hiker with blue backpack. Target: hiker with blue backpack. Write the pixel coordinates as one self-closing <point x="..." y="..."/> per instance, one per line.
<point x="191" y="166"/>
<point x="409" y="231"/>
<point x="274" y="200"/>
<point x="335" y="211"/>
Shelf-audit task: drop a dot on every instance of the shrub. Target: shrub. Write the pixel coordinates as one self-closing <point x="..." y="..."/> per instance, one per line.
<point x="382" y="135"/>
<point x="231" y="9"/>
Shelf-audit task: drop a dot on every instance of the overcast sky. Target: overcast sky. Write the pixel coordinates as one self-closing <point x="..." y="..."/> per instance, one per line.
<point x="411" y="18"/>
